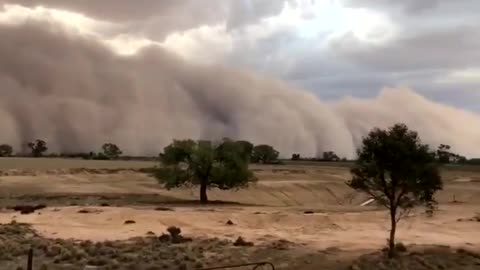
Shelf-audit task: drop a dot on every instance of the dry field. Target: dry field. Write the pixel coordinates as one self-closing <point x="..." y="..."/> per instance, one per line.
<point x="298" y="216"/>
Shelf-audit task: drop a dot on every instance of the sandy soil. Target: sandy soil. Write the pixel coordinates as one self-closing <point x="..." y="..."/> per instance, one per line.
<point x="271" y="210"/>
<point x="344" y="230"/>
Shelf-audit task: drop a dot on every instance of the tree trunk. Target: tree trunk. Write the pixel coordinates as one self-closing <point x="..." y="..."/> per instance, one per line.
<point x="203" y="192"/>
<point x="391" y="241"/>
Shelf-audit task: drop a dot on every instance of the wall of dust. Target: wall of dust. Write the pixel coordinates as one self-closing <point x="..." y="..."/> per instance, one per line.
<point x="76" y="93"/>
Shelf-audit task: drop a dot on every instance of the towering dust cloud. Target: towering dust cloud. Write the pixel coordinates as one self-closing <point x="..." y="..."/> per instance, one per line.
<point x="76" y="94"/>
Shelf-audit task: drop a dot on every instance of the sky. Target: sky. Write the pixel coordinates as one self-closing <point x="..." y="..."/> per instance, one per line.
<point x="330" y="47"/>
<point x="336" y="50"/>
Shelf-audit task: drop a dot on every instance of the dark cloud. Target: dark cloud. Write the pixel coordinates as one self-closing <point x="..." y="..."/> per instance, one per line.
<point x="446" y="48"/>
<point x="156" y="19"/>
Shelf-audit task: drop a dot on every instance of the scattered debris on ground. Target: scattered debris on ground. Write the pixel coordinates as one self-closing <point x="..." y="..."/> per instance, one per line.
<point x="89" y="211"/>
<point x="476" y="218"/>
<point x="281" y="244"/>
<point x="129" y="222"/>
<point x="163" y="209"/>
<point x="27" y="209"/>
<point x="229" y="223"/>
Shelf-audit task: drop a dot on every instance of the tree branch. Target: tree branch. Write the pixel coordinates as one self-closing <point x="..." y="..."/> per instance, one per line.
<point x="403" y="214"/>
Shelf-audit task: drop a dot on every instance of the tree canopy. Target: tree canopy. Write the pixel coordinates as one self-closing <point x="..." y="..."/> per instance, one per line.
<point x="330" y="156"/>
<point x="444" y="155"/>
<point x="398" y="171"/>
<point x="6" y="150"/>
<point x="38" y="148"/>
<point x="111" y="151"/>
<point x="222" y="165"/>
<point x="264" y="154"/>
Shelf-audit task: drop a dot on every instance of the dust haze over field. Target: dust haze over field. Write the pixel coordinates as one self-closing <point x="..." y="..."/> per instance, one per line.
<point x="76" y="93"/>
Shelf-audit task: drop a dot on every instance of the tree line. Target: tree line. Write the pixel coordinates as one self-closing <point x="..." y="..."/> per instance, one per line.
<point x="328" y="156"/>
<point x="39" y="148"/>
<point x="442" y="154"/>
<point x="261" y="153"/>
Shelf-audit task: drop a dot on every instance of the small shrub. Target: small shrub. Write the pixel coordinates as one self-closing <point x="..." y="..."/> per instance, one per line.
<point x="98" y="261"/>
<point x="163" y="209"/>
<point x="164" y="238"/>
<point x="129" y="222"/>
<point x="400" y="247"/>
<point x="174" y="231"/>
<point x="240" y="242"/>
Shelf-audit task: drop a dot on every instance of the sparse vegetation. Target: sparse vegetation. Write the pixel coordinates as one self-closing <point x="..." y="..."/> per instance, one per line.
<point x="398" y="171"/>
<point x="396" y="153"/>
<point x="137" y="253"/>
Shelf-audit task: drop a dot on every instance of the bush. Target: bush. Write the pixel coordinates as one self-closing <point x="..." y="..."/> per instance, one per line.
<point x="100" y="156"/>
<point x="174" y="231"/>
<point x="400" y="247"/>
<point x="240" y="242"/>
<point x="6" y="150"/>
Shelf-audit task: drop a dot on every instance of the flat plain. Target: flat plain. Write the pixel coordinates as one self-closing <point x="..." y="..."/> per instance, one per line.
<point x="298" y="216"/>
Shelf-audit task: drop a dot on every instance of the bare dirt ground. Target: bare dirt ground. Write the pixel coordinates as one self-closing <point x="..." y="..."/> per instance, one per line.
<point x="297" y="216"/>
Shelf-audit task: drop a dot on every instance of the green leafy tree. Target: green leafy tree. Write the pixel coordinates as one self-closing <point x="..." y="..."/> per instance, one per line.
<point x="295" y="157"/>
<point x="6" y="150"/>
<point x="264" y="154"/>
<point x="398" y="171"/>
<point x="37" y="148"/>
<point x="443" y="154"/>
<point x="247" y="147"/>
<point x="222" y="165"/>
<point x="111" y="151"/>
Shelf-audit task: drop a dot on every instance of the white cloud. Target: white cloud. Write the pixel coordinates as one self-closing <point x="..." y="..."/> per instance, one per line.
<point x="15" y="14"/>
<point x="128" y="44"/>
<point x="203" y="44"/>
